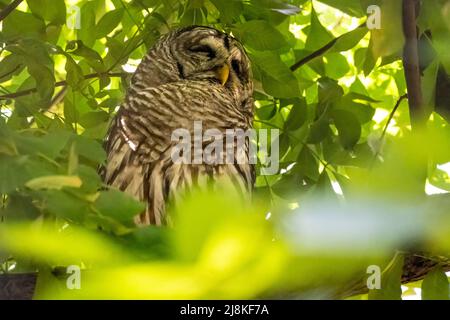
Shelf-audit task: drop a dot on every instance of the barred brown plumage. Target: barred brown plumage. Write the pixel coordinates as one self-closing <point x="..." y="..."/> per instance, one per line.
<point x="190" y="74"/>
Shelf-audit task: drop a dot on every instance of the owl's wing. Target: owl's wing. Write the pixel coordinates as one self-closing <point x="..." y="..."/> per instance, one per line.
<point x="138" y="138"/>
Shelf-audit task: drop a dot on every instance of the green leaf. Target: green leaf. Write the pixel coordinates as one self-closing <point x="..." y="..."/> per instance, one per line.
<point x="336" y="66"/>
<point x="298" y="115"/>
<point x="45" y="80"/>
<point x="20" y="208"/>
<point x="435" y="286"/>
<point x="91" y="180"/>
<point x="276" y="88"/>
<point x="349" y="40"/>
<point x="50" y="10"/>
<point x="12" y="173"/>
<point x="287" y="187"/>
<point x="21" y="24"/>
<point x="118" y="205"/>
<point x="360" y="96"/>
<point x="370" y="60"/>
<point x="429" y="84"/>
<point x="272" y="39"/>
<point x="7" y="143"/>
<point x="389" y="39"/>
<point x="39" y="65"/>
<point x="94" y="118"/>
<point x="71" y="113"/>
<point x="266" y="112"/>
<point x="54" y="182"/>
<point x="307" y="165"/>
<point x="116" y="50"/>
<point x="350" y="7"/>
<point x="229" y="9"/>
<point x="65" y="205"/>
<point x="435" y="16"/>
<point x="11" y="65"/>
<point x="440" y="179"/>
<point x="359" y="56"/>
<point x="49" y="145"/>
<point x="74" y="73"/>
<point x="329" y="90"/>
<point x="318" y="35"/>
<point x="108" y="23"/>
<point x="86" y="33"/>
<point x="348" y="127"/>
<point x="93" y="58"/>
<point x="390" y="281"/>
<point x="319" y="131"/>
<point x="363" y="112"/>
<point x="278" y="6"/>
<point x="90" y="149"/>
<point x="277" y="79"/>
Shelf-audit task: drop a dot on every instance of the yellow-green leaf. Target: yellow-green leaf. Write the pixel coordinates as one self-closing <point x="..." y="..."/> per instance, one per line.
<point x="54" y="182"/>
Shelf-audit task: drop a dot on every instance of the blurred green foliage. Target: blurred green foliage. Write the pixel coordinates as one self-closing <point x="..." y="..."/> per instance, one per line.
<point x="352" y="180"/>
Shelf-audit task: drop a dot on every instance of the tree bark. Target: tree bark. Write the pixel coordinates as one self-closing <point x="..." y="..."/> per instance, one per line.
<point x="411" y="63"/>
<point x="19" y="286"/>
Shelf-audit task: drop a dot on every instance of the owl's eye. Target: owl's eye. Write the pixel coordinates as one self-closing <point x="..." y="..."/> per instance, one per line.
<point x="236" y="66"/>
<point x="204" y="50"/>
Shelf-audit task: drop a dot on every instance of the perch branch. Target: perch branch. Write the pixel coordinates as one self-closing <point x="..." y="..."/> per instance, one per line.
<point x="411" y="63"/>
<point x="415" y="268"/>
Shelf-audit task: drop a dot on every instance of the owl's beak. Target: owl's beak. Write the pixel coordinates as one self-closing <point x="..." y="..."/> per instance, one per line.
<point x="222" y="73"/>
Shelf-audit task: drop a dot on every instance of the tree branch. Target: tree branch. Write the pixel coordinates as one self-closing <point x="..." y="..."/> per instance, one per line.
<point x="415" y="268"/>
<point x="383" y="134"/>
<point x="9" y="8"/>
<point x="411" y="64"/>
<point x="391" y="116"/>
<point x="60" y="84"/>
<point x="320" y="51"/>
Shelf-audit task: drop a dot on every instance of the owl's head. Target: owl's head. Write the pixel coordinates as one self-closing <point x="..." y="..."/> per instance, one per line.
<point x="203" y="53"/>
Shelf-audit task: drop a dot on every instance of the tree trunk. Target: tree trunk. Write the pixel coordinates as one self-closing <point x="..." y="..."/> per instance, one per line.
<point x="17" y="286"/>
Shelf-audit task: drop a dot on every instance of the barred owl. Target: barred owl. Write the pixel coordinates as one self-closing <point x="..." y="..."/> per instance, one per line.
<point x="191" y="74"/>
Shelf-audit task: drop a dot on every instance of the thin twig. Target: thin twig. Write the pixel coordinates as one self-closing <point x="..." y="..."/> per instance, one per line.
<point x="391" y="116"/>
<point x="320" y="51"/>
<point x="383" y="134"/>
<point x="60" y="84"/>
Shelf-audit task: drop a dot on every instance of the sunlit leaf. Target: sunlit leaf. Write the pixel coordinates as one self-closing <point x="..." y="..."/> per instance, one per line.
<point x="435" y="286"/>
<point x="119" y="206"/>
<point x="272" y="40"/>
<point x="54" y="182"/>
<point x="390" y="282"/>
<point x="108" y="22"/>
